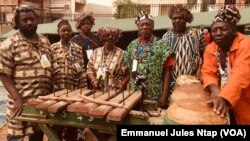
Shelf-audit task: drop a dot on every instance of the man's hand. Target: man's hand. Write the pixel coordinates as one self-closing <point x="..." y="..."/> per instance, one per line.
<point x="163" y="102"/>
<point x="8" y="84"/>
<point x="219" y="104"/>
<point x="121" y="87"/>
<point x="17" y="107"/>
<point x="95" y="84"/>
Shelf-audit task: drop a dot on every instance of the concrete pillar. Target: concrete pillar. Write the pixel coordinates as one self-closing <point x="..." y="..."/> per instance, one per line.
<point x="155" y="9"/>
<point x="72" y="6"/>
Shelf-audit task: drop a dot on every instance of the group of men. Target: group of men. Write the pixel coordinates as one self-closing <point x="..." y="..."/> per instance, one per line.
<point x="28" y="61"/>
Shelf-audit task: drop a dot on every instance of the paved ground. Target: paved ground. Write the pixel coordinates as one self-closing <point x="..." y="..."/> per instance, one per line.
<point x="3" y="134"/>
<point x="3" y="101"/>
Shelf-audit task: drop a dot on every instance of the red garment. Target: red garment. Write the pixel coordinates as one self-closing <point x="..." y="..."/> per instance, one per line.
<point x="237" y="89"/>
<point x="169" y="62"/>
<point x="207" y="37"/>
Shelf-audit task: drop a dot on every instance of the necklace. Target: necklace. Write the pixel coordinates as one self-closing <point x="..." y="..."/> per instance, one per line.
<point x="34" y="43"/>
<point x="34" y="40"/>
<point x="223" y="74"/>
<point x="145" y="49"/>
<point x="107" y="58"/>
<point x="68" y="52"/>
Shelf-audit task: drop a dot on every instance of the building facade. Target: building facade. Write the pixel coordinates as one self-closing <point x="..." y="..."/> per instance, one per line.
<point x="161" y="7"/>
<point x="52" y="10"/>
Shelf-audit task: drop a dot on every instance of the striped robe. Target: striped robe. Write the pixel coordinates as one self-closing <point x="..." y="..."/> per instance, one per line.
<point x="186" y="54"/>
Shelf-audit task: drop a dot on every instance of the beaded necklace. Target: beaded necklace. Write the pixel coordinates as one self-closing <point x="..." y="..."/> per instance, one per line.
<point x="67" y="50"/>
<point x="146" y="48"/>
<point x="33" y="41"/>
<point x="107" y="58"/>
<point x="223" y="74"/>
<point x="34" y="44"/>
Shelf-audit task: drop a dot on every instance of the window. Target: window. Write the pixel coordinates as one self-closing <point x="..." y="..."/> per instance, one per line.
<point x="212" y="1"/>
<point x="247" y="1"/>
<point x="3" y="17"/>
<point x="230" y="1"/>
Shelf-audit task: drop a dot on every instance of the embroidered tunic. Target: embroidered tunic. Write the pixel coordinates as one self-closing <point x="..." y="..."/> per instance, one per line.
<point x="150" y="65"/>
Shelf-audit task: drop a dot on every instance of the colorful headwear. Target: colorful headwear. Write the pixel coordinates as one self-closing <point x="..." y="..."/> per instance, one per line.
<point x="109" y="33"/>
<point x="228" y="14"/>
<point x="183" y="10"/>
<point x="63" y="22"/>
<point x="21" y="8"/>
<point x="142" y="16"/>
<point x="84" y="16"/>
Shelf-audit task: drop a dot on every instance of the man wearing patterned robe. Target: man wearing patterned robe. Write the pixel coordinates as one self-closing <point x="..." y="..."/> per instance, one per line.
<point x="183" y="43"/>
<point x="25" y="70"/>
<point x="152" y="57"/>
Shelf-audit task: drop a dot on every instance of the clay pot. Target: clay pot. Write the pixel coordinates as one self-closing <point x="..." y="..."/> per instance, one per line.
<point x="188" y="104"/>
<point x="192" y="112"/>
<point x="186" y="79"/>
<point x="190" y="92"/>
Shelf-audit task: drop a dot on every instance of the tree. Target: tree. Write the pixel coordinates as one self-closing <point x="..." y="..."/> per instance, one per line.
<point x="191" y="3"/>
<point x="127" y="9"/>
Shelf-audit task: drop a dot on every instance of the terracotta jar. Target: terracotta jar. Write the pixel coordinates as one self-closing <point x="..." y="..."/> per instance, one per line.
<point x="192" y="112"/>
<point x="186" y="79"/>
<point x="188" y="104"/>
<point x="189" y="92"/>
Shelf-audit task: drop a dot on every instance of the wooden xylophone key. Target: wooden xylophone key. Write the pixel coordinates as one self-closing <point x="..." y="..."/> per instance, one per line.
<point x="102" y="110"/>
<point x="36" y="101"/>
<point x="84" y="109"/>
<point x="43" y="106"/>
<point x="53" y="95"/>
<point x="118" y="114"/>
<point x="76" y="106"/>
<point x="50" y="99"/>
<point x="62" y="103"/>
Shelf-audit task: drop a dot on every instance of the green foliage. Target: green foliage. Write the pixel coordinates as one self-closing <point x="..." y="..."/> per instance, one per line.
<point x="192" y="2"/>
<point x="128" y="9"/>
